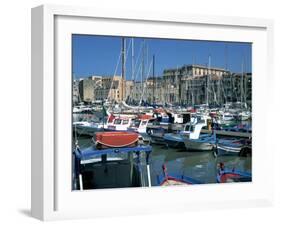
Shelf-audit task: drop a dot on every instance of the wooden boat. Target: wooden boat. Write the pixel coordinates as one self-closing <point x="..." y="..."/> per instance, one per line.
<point x="229" y="176"/>
<point x="170" y="180"/>
<point x="118" y="139"/>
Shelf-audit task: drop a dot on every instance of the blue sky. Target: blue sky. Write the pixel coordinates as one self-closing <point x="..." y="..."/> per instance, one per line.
<point x="99" y="55"/>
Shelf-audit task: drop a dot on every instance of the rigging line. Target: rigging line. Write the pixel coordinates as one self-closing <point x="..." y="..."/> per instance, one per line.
<point x="136" y="76"/>
<point x="127" y="54"/>
<point x="145" y="82"/>
<point x="139" y="66"/>
<point x="116" y="68"/>
<point x="136" y="63"/>
<point x="115" y="71"/>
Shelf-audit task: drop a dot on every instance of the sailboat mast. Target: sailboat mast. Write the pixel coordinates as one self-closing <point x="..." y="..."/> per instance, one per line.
<point x="142" y="65"/>
<point x="207" y="89"/>
<point x="153" y="80"/>
<point x="123" y="69"/>
<point x="133" y="60"/>
<point x="241" y="83"/>
<point x="132" y="68"/>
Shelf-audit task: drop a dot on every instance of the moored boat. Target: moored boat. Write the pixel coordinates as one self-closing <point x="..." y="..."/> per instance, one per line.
<point x="169" y="180"/>
<point x="199" y="142"/>
<point x="123" y="165"/>
<point x="119" y="124"/>
<point x="118" y="139"/>
<point x="140" y="124"/>
<point x="230" y="146"/>
<point x="87" y="128"/>
<point x="174" y="140"/>
<point x="228" y="176"/>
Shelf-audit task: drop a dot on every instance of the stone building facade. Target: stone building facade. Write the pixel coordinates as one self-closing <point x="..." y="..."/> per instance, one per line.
<point x="110" y="89"/>
<point x="87" y="87"/>
<point x="186" y="85"/>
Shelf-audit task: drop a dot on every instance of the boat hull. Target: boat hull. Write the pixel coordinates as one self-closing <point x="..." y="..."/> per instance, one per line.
<point x="227" y="150"/>
<point x="157" y="139"/>
<point x="115" y="139"/>
<point x="172" y="180"/>
<point x="174" y="140"/>
<point x="233" y="176"/>
<point x="198" y="146"/>
<point x="87" y="130"/>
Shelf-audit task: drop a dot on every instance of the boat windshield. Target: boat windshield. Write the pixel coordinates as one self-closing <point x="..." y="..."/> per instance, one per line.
<point x="143" y="123"/>
<point x="117" y="121"/>
<point x="125" y="122"/>
<point x="189" y="128"/>
<point x="136" y="123"/>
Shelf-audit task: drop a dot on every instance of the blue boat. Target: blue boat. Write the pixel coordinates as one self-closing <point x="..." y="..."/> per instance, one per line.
<point x="228" y="147"/>
<point x="170" y="179"/>
<point x="233" y="147"/>
<point x="157" y="135"/>
<point x="174" y="140"/>
<point x="229" y="176"/>
<point x="111" y="168"/>
<point x="200" y="142"/>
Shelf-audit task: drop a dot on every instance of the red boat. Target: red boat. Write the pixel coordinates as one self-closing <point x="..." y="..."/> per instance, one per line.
<point x="228" y="176"/>
<point x="143" y="117"/>
<point x="120" y="139"/>
<point x="168" y="180"/>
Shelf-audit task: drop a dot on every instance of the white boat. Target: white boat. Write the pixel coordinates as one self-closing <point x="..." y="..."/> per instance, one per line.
<point x="244" y="115"/>
<point x="199" y="142"/>
<point x="140" y="124"/>
<point x="90" y="127"/>
<point x="119" y="124"/>
<point x="87" y="128"/>
<point x="227" y="116"/>
<point x="77" y="109"/>
<point x="178" y="118"/>
<point x="81" y="109"/>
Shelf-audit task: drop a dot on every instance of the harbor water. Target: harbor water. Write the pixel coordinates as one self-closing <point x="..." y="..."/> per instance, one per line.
<point x="200" y="165"/>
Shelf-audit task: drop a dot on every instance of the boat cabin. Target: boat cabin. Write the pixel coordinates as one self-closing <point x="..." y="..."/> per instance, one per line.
<point x="140" y="124"/>
<point x="111" y="168"/>
<point x="119" y="124"/>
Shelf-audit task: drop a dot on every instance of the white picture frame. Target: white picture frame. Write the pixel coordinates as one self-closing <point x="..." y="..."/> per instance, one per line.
<point x="52" y="197"/>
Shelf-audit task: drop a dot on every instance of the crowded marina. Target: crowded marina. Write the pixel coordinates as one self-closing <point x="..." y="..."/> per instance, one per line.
<point x="192" y="125"/>
<point x="128" y="138"/>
